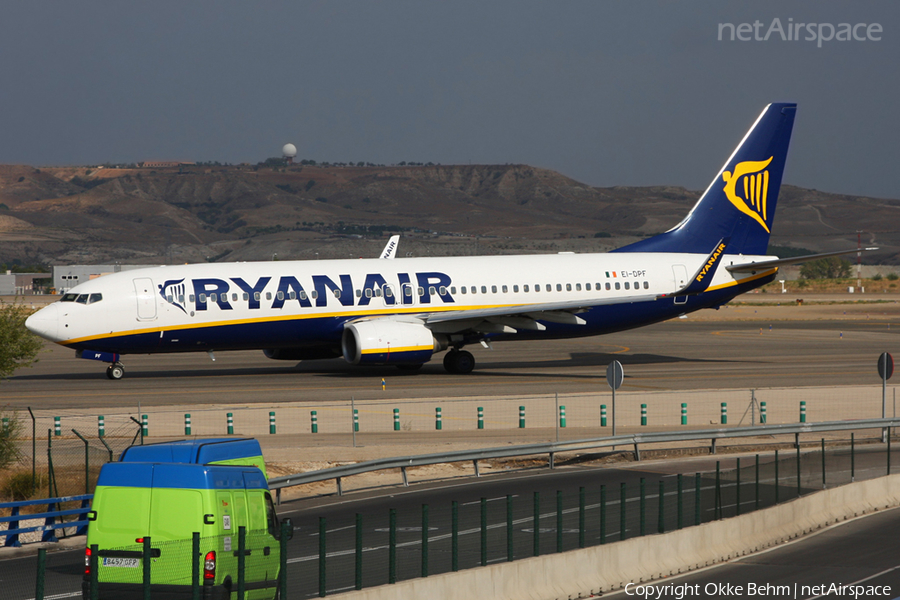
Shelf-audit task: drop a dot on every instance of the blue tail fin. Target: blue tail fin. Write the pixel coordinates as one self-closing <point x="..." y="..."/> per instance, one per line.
<point x="740" y="202"/>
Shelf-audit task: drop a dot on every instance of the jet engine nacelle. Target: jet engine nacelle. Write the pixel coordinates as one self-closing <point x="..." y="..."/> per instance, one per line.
<point x="381" y="342"/>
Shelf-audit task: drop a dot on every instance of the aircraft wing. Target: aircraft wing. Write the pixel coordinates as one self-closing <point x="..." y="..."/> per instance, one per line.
<point x="781" y="262"/>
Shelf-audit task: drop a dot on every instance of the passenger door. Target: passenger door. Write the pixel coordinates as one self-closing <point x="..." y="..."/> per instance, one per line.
<point x="146" y="299"/>
<point x="681" y="278"/>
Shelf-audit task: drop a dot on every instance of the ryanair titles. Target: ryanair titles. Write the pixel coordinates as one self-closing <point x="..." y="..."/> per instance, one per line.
<point x="418" y="288"/>
<point x="713" y="259"/>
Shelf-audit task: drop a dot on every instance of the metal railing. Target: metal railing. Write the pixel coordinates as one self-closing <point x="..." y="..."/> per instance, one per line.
<point x="552" y="448"/>
<point x="50" y="517"/>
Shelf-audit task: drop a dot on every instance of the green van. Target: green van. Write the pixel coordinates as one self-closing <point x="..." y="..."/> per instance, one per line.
<point x="145" y="495"/>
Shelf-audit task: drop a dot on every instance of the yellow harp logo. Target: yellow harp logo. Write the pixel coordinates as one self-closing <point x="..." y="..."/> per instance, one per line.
<point x="753" y="177"/>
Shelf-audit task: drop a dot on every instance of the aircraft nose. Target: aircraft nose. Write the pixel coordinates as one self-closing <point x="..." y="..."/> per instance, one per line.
<point x="45" y="323"/>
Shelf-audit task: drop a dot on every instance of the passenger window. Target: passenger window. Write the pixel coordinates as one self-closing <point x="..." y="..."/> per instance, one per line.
<point x="359" y="293"/>
<point x="407" y="291"/>
<point x="577" y="287"/>
<point x="302" y="295"/>
<point x="463" y="289"/>
<point x="191" y="297"/>
<point x="472" y="289"/>
<point x="234" y="297"/>
<point x="202" y="297"/>
<point x="637" y="285"/>
<point x="537" y="287"/>
<point x="388" y="293"/>
<point x="452" y="289"/>
<point x="420" y="291"/>
<point x="181" y="298"/>
<point x="169" y="299"/>
<point x="493" y="289"/>
<point x="618" y="286"/>
<point x="568" y="287"/>
<point x="626" y="285"/>
<point x="313" y="294"/>
<point x="607" y="285"/>
<point x="549" y="288"/>
<point x="484" y="289"/>
<point x="268" y="295"/>
<point x="525" y="288"/>
<point x="378" y="292"/>
<point x="598" y="286"/>
<point x="245" y="296"/>
<point x="337" y="293"/>
<point x="292" y="295"/>
<point x="280" y="295"/>
<point x="256" y="296"/>
<point x="431" y="290"/>
<point x="69" y="298"/>
<point x="213" y="298"/>
<point x="515" y="289"/>
<point x="82" y="299"/>
<point x="505" y="289"/>
<point x="442" y="290"/>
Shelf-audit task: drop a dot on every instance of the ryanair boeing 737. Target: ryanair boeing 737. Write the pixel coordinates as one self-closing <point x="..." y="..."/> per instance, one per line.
<point x="404" y="311"/>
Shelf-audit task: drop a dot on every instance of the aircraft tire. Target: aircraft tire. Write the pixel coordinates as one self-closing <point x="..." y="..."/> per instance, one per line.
<point x="459" y="362"/>
<point x="115" y="371"/>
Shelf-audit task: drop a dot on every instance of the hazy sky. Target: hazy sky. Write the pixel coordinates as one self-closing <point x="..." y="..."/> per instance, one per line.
<point x="609" y="93"/>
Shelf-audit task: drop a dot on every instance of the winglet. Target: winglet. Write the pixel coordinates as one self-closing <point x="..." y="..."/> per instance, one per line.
<point x="391" y="249"/>
<point x="700" y="281"/>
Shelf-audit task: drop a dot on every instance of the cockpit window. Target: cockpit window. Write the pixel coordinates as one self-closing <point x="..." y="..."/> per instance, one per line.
<point x="95" y="298"/>
<point x="82" y="299"/>
<point x="69" y="298"/>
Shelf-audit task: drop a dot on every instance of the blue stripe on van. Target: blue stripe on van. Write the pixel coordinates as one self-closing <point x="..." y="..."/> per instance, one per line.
<point x="193" y="451"/>
<point x="183" y="476"/>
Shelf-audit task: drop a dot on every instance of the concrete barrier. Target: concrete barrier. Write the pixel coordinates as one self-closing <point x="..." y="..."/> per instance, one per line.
<point x="580" y="573"/>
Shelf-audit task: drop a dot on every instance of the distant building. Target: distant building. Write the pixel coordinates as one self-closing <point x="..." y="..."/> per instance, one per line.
<point x="163" y="164"/>
<point x="67" y="277"/>
<point x="23" y="284"/>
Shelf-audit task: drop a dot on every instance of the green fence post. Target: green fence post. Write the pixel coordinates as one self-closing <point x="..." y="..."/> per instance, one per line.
<point x="698" y="515"/>
<point x="643" y="506"/>
<point x="271" y="422"/>
<point x="323" y="553"/>
<point x="737" y="502"/>
<point x="396" y="419"/>
<point x="776" y="477"/>
<point x="145" y="426"/>
<point x="187" y="423"/>
<point x="521" y="417"/>
<point x="101" y="426"/>
<point x="684" y="413"/>
<point x="454" y="536"/>
<point x="95" y="579"/>
<point x="314" y="421"/>
<point x="622" y="515"/>
<point x="480" y="417"/>
<point x="39" y="579"/>
<point x="57" y="426"/>
<point x="438" y="419"/>
<point x="559" y="521"/>
<point x="424" y="540"/>
<point x="762" y="413"/>
<point x="356" y="420"/>
<point x="562" y="416"/>
<point x="392" y="546"/>
<point x="359" y="554"/>
<point x="661" y="522"/>
<point x="602" y="514"/>
<point x="581" y="511"/>
<point x="242" y="563"/>
<point x="484" y="532"/>
<point x="536" y="548"/>
<point x="757" y="481"/>
<point x="803" y="411"/>
<point x="602" y="415"/>
<point x="195" y="565"/>
<point x="145" y="563"/>
<point x="724" y="413"/>
<point x="509" y="527"/>
<point x="643" y="414"/>
<point x="282" y="571"/>
<point x="680" y="516"/>
<point x="230" y="423"/>
<point x="5" y="424"/>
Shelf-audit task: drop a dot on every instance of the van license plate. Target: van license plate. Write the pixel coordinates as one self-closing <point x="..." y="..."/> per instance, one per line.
<point x="120" y="562"/>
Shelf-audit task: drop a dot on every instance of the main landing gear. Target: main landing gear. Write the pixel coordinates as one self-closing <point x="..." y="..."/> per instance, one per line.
<point x="115" y="371"/>
<point x="459" y="362"/>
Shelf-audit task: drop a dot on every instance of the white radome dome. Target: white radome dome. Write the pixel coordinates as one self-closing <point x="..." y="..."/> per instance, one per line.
<point x="289" y="150"/>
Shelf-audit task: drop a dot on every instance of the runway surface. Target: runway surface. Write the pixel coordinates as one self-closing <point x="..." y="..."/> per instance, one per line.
<point x="681" y="354"/>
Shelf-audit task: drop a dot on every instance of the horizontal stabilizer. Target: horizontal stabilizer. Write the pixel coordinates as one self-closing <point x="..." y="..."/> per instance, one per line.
<point x="753" y="267"/>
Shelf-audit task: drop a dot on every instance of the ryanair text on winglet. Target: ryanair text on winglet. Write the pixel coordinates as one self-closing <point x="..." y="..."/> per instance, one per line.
<point x="712" y="260"/>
